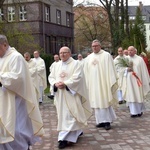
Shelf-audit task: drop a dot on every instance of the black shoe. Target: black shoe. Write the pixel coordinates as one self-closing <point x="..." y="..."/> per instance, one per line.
<point x="121" y="102"/>
<point x="139" y="115"/>
<point x="81" y="134"/>
<point x="62" y="144"/>
<point x="107" y="126"/>
<point x="51" y="96"/>
<point x="134" y="116"/>
<point x="100" y="125"/>
<point x="40" y="103"/>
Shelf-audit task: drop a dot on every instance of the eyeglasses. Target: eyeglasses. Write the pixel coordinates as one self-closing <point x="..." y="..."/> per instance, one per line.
<point x="63" y="53"/>
<point x="95" y="45"/>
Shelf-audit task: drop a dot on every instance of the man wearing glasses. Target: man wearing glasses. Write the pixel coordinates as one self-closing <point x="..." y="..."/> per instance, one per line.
<point x="71" y="99"/>
<point x="101" y="79"/>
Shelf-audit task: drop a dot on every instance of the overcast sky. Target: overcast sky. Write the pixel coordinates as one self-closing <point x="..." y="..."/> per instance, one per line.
<point x="131" y="2"/>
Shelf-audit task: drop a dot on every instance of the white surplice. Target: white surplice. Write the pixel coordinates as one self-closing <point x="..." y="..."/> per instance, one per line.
<point x="42" y="79"/>
<point x="101" y="79"/>
<point x="136" y="93"/>
<point x="17" y="99"/>
<point x="33" y="71"/>
<point x="73" y="108"/>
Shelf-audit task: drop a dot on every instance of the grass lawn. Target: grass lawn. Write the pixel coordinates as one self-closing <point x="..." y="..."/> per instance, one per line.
<point x="47" y="89"/>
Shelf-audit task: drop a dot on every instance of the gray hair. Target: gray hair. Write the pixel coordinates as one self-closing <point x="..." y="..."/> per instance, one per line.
<point x="96" y="41"/>
<point x="3" y="39"/>
<point x="27" y="53"/>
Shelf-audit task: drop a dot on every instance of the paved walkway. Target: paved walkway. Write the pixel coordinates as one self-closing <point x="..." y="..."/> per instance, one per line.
<point x="126" y="134"/>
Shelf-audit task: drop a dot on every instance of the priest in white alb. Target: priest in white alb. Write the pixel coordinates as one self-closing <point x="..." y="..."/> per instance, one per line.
<point x="41" y="70"/>
<point x="138" y="83"/>
<point x="56" y="60"/>
<point x="34" y="75"/>
<point x="20" y="119"/>
<point x="71" y="98"/>
<point x="121" y="68"/>
<point x="101" y="80"/>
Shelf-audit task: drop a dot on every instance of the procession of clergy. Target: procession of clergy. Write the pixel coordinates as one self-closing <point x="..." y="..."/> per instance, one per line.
<point x="95" y="83"/>
<point x="80" y="88"/>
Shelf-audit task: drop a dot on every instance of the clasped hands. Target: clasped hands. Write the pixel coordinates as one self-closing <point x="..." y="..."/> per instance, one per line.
<point x="60" y="85"/>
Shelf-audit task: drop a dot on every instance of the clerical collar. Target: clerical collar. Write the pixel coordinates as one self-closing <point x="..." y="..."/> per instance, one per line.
<point x="7" y="51"/>
<point x="68" y="61"/>
<point x="100" y="52"/>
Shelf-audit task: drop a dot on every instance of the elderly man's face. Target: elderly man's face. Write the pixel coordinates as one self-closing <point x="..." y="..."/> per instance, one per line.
<point x="131" y="51"/>
<point x="64" y="54"/>
<point x="56" y="58"/>
<point x="125" y="52"/>
<point x="120" y="52"/>
<point x="80" y="57"/>
<point x="36" y="54"/>
<point x="3" y="48"/>
<point x="96" y="47"/>
<point x="27" y="57"/>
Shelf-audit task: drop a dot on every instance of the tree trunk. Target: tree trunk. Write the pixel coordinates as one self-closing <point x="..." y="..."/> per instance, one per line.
<point x="1" y="3"/>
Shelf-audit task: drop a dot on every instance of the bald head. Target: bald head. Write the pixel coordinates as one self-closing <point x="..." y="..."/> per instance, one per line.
<point x="131" y="51"/>
<point x="65" y="53"/>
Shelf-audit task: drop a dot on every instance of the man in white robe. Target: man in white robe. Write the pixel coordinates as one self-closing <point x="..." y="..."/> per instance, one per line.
<point x="121" y="69"/>
<point x="20" y="119"/>
<point x="101" y="79"/>
<point x="33" y="71"/>
<point x="56" y="60"/>
<point x="125" y="52"/>
<point x="137" y="83"/>
<point x="81" y="59"/>
<point x="71" y="98"/>
<point x="41" y="70"/>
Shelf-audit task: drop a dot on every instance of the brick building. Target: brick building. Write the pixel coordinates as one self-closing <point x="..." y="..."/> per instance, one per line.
<point x="50" y="21"/>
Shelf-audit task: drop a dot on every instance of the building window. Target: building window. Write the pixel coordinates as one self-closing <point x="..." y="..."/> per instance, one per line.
<point x="11" y="13"/>
<point x="68" y="19"/>
<point x="58" y="16"/>
<point x="132" y="18"/>
<point x="1" y="15"/>
<point x="144" y="18"/>
<point x="47" y="14"/>
<point x="22" y="13"/>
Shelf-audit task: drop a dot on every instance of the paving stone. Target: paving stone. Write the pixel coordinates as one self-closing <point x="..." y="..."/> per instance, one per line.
<point x="126" y="134"/>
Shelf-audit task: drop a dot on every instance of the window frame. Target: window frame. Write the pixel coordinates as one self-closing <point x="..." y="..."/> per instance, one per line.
<point x="23" y="13"/>
<point x="1" y="15"/>
<point x="58" y="16"/>
<point x="47" y="14"/>
<point x="11" y="13"/>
